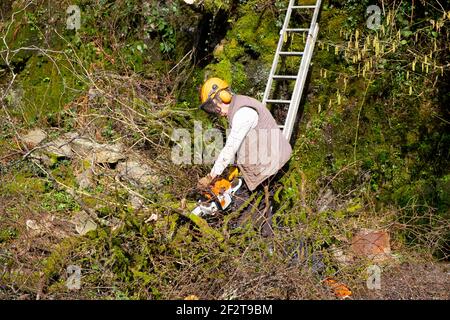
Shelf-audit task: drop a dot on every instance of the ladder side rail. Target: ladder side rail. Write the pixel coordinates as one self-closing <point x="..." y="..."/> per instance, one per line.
<point x="302" y="74"/>
<point x="277" y="55"/>
<point x="296" y="96"/>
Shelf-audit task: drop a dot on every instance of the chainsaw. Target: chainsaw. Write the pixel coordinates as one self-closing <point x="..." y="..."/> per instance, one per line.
<point x="219" y="196"/>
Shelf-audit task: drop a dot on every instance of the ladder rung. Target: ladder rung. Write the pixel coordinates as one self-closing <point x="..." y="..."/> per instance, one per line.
<point x="296" y="29"/>
<point x="278" y="101"/>
<point x="303" y="7"/>
<point x="291" y="53"/>
<point x="284" y="77"/>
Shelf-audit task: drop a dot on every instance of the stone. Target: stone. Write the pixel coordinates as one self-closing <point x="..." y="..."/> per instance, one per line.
<point x="61" y="147"/>
<point x="83" y="147"/>
<point x="99" y="153"/>
<point x="136" y="202"/>
<point x="85" y="179"/>
<point x="32" y="225"/>
<point x="41" y="157"/>
<point x="83" y="223"/>
<point x="108" y="154"/>
<point x="34" y="137"/>
<point x="371" y="244"/>
<point x="136" y="172"/>
<point x="71" y="144"/>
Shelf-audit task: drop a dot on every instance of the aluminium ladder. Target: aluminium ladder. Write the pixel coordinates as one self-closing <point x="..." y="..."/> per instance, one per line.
<point x="305" y="56"/>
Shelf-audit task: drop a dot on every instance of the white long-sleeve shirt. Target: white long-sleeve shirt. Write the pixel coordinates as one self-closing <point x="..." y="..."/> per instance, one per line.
<point x="244" y="120"/>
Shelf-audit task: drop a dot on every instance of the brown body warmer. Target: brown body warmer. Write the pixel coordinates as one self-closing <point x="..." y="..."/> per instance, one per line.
<point x="264" y="150"/>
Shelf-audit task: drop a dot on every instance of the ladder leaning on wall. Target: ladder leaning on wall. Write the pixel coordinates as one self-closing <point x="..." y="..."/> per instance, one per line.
<point x="305" y="58"/>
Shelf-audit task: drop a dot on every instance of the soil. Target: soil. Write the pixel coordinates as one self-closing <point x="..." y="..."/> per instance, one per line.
<point x="411" y="281"/>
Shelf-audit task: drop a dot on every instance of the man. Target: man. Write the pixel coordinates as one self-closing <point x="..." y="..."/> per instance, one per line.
<point x="255" y="137"/>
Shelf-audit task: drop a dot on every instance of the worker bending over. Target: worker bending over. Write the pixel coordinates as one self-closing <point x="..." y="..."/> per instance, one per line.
<point x="255" y="139"/>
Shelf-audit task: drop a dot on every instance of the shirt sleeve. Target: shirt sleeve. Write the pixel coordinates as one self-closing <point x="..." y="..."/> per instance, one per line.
<point x="244" y="120"/>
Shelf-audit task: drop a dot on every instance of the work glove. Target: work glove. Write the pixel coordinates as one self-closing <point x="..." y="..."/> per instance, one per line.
<point x="204" y="182"/>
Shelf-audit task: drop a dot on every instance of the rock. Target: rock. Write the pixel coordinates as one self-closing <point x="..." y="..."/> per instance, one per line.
<point x="34" y="137"/>
<point x="100" y="153"/>
<point x="83" y="223"/>
<point x="108" y="154"/>
<point x="46" y="225"/>
<point x="85" y="179"/>
<point x="83" y="147"/>
<point x="371" y="244"/>
<point x="136" y="172"/>
<point x="136" y="202"/>
<point x="71" y="144"/>
<point x="61" y="147"/>
<point x="41" y="157"/>
<point x="32" y="225"/>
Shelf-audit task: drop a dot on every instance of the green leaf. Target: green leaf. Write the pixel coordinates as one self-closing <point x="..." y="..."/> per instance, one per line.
<point x="407" y="33"/>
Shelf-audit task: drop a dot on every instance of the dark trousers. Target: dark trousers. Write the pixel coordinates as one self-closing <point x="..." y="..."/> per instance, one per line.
<point x="259" y="213"/>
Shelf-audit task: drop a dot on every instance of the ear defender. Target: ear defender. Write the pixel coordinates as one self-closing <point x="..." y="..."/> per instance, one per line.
<point x="225" y="95"/>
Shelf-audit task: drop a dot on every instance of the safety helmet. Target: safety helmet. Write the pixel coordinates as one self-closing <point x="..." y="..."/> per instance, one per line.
<point x="214" y="88"/>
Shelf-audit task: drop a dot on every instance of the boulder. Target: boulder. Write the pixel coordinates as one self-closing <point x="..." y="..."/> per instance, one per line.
<point x="108" y="154"/>
<point x="83" y="146"/>
<point x="136" y="172"/>
<point x="371" y="244"/>
<point x="99" y="153"/>
<point x="34" y="137"/>
<point x="61" y="147"/>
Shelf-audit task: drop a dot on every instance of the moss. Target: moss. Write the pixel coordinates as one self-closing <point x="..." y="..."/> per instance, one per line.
<point x="233" y="73"/>
<point x="23" y="184"/>
<point x="8" y="234"/>
<point x="45" y="89"/>
<point x="232" y="50"/>
<point x="215" y="5"/>
<point x="54" y="264"/>
<point x="205" y="228"/>
<point x="28" y="281"/>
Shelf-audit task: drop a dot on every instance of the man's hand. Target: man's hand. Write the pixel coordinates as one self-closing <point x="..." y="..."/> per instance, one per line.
<point x="204" y="182"/>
